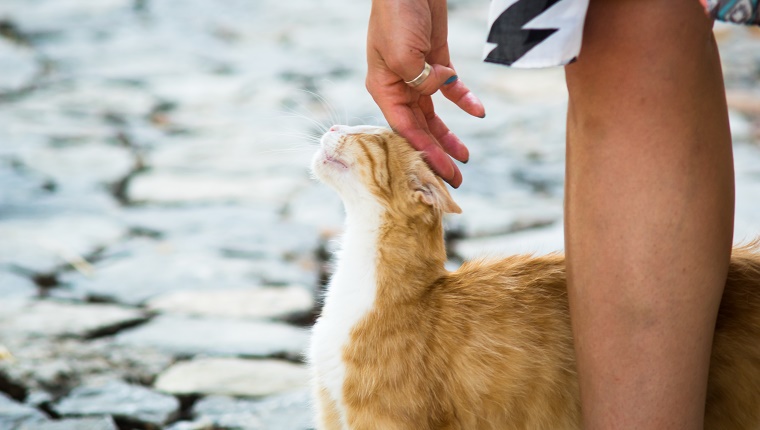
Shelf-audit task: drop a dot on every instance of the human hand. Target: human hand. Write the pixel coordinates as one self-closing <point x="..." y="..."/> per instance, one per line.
<point x="402" y="36"/>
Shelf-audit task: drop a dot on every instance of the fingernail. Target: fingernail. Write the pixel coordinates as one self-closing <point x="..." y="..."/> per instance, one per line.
<point x="451" y="80"/>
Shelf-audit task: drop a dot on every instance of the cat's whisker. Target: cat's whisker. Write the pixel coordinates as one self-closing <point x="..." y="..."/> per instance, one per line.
<point x="345" y="115"/>
<point x="293" y="114"/>
<point x="369" y="120"/>
<point x="301" y="135"/>
<point x="333" y="114"/>
<point x="295" y="147"/>
<point x="309" y="139"/>
<point x="283" y="150"/>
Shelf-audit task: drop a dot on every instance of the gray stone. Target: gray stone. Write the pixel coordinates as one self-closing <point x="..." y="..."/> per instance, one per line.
<point x="41" y="363"/>
<point x="99" y="423"/>
<point x="233" y="377"/>
<point x="147" y="269"/>
<point x="19" y="185"/>
<point x="37" y="398"/>
<point x="536" y="86"/>
<point x="18" y="65"/>
<point x="49" y="318"/>
<point x="41" y="244"/>
<point x="13" y="415"/>
<point x="239" y="232"/>
<point x="250" y="303"/>
<point x="217" y="337"/>
<point x="43" y="204"/>
<point x="252" y="241"/>
<point x="13" y="285"/>
<point x="277" y="239"/>
<point x="741" y="128"/>
<point x="94" y="100"/>
<point x="195" y="220"/>
<point x="485" y="217"/>
<point x="537" y="241"/>
<point x="80" y="166"/>
<point x="46" y="117"/>
<point x="173" y="188"/>
<point x="278" y="272"/>
<point x="544" y="178"/>
<point x="120" y="400"/>
<point x="747" y="215"/>
<point x="199" y="424"/>
<point x="318" y="206"/>
<point x="292" y="411"/>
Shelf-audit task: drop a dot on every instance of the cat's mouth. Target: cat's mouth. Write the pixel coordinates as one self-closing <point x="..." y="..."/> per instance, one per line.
<point x="329" y="158"/>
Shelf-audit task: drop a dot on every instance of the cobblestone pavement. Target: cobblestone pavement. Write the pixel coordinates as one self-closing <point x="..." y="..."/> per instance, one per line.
<point x="161" y="242"/>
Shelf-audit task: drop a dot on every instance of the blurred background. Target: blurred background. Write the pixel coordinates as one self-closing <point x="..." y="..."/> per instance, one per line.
<point x="162" y="245"/>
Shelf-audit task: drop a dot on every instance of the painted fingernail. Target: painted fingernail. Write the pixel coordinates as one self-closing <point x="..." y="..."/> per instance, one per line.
<point x="451" y="80"/>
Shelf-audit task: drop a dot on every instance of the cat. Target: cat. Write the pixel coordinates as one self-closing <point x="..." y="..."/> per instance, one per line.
<point x="404" y="344"/>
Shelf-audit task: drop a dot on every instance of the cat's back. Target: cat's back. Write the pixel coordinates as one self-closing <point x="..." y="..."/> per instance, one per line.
<point x="503" y="333"/>
<point x="515" y="287"/>
<point x="733" y="395"/>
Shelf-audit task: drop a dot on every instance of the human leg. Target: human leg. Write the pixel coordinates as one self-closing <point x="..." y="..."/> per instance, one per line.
<point x="649" y="211"/>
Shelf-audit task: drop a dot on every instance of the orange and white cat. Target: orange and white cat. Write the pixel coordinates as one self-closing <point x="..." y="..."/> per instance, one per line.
<point x="404" y="344"/>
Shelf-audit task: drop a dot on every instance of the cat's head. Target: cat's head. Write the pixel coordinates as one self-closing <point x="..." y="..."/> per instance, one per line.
<point x="370" y="165"/>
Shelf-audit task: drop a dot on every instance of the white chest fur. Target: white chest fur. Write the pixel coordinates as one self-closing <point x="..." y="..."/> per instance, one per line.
<point x="350" y="296"/>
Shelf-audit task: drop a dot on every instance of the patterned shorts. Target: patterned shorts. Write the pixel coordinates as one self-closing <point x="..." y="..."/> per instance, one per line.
<point x="544" y="33"/>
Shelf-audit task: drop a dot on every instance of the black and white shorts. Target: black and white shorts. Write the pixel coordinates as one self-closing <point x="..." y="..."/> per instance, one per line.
<point x="544" y="33"/>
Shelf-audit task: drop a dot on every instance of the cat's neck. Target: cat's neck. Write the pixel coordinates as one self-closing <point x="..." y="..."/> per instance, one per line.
<point x="403" y="255"/>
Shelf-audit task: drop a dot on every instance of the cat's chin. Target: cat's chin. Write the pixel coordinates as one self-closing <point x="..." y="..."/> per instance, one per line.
<point x="335" y="162"/>
<point x="328" y="168"/>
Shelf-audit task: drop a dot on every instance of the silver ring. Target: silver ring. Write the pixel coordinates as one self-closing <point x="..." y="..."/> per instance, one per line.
<point x="416" y="82"/>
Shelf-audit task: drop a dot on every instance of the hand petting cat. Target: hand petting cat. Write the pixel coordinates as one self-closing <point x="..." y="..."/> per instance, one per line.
<point x="402" y="36"/>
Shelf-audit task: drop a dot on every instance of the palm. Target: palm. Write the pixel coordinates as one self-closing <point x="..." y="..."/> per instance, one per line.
<point x="403" y="35"/>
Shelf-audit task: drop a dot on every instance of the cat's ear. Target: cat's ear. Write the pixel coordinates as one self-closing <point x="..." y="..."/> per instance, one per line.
<point x="431" y="190"/>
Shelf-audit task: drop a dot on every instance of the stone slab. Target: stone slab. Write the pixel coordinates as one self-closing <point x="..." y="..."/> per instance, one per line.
<point x="42" y="362"/>
<point x="482" y="216"/>
<point x="120" y="400"/>
<point x="14" y="285"/>
<point x="54" y="319"/>
<point x="232" y="377"/>
<point x="249" y="303"/>
<point x="186" y="336"/>
<point x="537" y="241"/>
<point x="291" y="411"/>
<point x="151" y="268"/>
<point x="80" y="166"/>
<point x="18" y="65"/>
<point x="14" y="415"/>
<point x="97" y="423"/>
<point x="175" y="188"/>
<point x="42" y="244"/>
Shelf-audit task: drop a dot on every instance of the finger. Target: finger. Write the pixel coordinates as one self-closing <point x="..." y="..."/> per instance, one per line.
<point x="456" y="181"/>
<point x="456" y="91"/>
<point x="405" y="122"/>
<point x="435" y="155"/>
<point x="448" y="140"/>
<point x="441" y="163"/>
<point x="438" y="76"/>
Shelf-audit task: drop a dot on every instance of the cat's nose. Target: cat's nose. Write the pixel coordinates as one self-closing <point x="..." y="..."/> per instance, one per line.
<point x="335" y="128"/>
